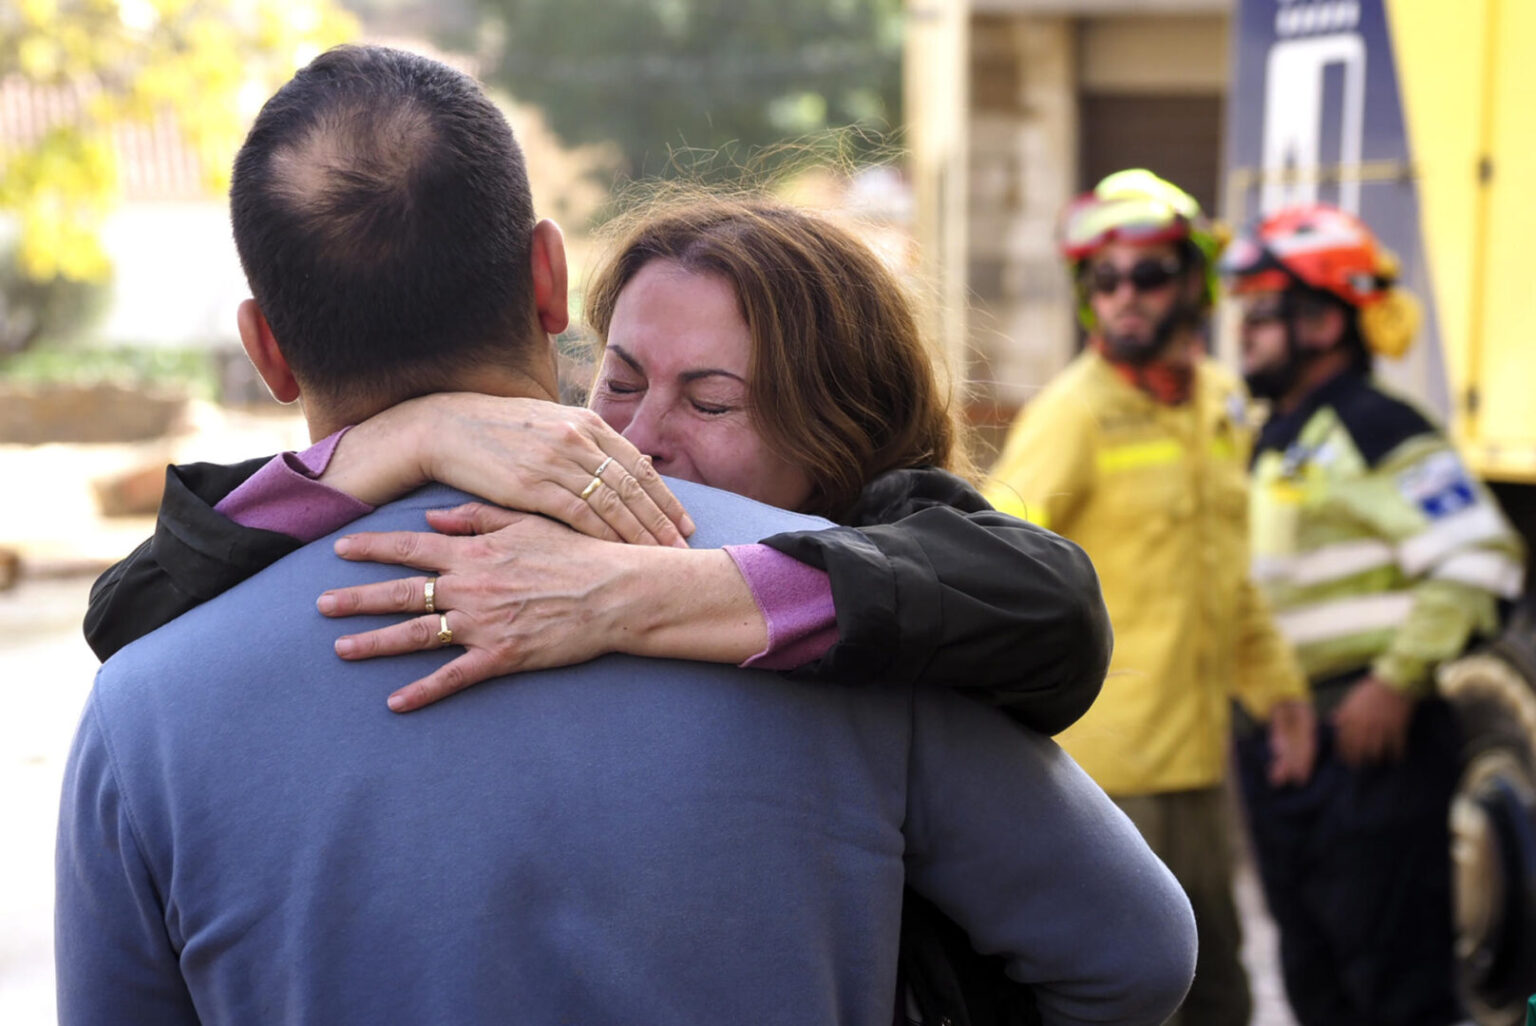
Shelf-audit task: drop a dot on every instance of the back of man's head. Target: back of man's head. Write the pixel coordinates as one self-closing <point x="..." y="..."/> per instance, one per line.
<point x="383" y="217"/>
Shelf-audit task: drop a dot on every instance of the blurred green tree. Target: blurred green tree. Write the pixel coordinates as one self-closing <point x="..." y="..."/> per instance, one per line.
<point x="39" y="311"/>
<point x="658" y="76"/>
<point x="206" y="64"/>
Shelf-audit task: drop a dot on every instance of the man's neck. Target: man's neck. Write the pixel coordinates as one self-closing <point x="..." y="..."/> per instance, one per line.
<point x="1168" y="378"/>
<point x="1314" y="375"/>
<point x="325" y="419"/>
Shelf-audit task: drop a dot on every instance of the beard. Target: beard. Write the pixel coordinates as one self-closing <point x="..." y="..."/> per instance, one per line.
<point x="1138" y="351"/>
<point x="1275" y="382"/>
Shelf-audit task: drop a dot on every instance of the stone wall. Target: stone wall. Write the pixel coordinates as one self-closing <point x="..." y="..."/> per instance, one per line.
<point x="36" y="415"/>
<point x="1037" y="71"/>
<point x="1023" y="171"/>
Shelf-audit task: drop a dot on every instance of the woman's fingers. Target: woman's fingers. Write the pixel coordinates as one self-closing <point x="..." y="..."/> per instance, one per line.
<point x="670" y="506"/>
<point x="657" y="514"/>
<point x="402" y="548"/>
<point x="416" y="635"/>
<point x="540" y="457"/>
<point x="633" y="477"/>
<point x="530" y="594"/>
<point x="471" y="518"/>
<point x="467" y="670"/>
<point x="621" y="502"/>
<point x="405" y="595"/>
<point x="425" y="633"/>
<point x="625" y="506"/>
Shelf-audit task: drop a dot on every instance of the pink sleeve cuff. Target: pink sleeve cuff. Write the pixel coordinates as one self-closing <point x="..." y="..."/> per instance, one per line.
<point x="285" y="496"/>
<point x="795" y="599"/>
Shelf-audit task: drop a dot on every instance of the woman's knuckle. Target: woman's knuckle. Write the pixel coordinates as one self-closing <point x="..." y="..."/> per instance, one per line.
<point x="661" y="523"/>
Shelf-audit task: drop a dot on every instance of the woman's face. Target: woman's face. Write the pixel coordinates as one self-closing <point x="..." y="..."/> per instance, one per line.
<point x="674" y="382"/>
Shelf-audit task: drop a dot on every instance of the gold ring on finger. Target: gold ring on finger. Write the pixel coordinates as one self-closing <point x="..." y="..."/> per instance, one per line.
<point x="592" y="486"/>
<point x="444" y="632"/>
<point x="431" y="592"/>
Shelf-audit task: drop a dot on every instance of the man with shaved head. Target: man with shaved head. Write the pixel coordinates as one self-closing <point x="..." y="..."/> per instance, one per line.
<point x="249" y="835"/>
<point x="374" y="173"/>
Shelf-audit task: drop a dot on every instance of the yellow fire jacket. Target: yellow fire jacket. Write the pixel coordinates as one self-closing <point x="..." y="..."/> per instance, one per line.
<point x="1375" y="546"/>
<point x="1157" y="496"/>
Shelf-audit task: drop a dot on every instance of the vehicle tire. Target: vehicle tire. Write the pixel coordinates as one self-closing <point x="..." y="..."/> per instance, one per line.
<point x="1493" y="836"/>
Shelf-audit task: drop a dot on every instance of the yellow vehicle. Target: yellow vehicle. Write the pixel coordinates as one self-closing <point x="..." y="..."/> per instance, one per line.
<point x="1414" y="114"/>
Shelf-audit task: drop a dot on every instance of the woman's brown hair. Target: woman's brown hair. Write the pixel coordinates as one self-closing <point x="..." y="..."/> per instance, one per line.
<point x="841" y="382"/>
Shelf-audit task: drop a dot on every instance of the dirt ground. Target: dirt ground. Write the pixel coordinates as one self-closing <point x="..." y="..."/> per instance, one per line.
<point x="50" y="518"/>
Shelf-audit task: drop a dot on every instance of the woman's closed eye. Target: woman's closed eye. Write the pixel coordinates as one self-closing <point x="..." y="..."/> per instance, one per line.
<point x="613" y="387"/>
<point x="715" y="396"/>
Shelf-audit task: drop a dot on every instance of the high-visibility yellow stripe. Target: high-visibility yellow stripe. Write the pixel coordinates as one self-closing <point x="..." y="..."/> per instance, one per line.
<point x="1140" y="454"/>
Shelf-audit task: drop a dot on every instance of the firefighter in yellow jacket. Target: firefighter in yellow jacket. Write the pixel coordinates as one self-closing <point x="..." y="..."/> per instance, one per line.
<point x="1382" y="558"/>
<point x="1138" y="452"/>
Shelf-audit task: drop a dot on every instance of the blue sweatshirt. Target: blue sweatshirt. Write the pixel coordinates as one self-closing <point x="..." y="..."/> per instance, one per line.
<point x="248" y="835"/>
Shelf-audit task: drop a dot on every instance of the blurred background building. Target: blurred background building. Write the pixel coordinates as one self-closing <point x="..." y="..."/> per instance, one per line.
<point x="1016" y="106"/>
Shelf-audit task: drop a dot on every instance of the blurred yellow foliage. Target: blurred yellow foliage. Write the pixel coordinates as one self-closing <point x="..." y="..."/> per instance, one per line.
<point x="38" y="13"/>
<point x="118" y="61"/>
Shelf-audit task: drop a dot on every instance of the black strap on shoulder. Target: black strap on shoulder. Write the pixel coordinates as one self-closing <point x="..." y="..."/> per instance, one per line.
<point x="1376" y="421"/>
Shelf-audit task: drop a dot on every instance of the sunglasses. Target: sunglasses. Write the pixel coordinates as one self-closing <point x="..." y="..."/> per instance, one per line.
<point x="1144" y="275"/>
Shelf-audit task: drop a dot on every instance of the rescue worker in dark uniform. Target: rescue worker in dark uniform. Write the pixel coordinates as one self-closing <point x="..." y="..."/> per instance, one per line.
<point x="1381" y="557"/>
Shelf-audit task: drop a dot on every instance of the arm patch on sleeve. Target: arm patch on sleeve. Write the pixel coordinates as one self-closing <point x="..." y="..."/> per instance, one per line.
<point x="1438" y="486"/>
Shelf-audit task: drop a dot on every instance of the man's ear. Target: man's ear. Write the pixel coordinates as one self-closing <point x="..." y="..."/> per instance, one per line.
<point x="261" y="347"/>
<point x="550" y="288"/>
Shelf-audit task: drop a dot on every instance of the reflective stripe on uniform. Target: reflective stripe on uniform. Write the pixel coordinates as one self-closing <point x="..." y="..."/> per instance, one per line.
<point x="1479" y="523"/>
<point x="1140" y="454"/>
<point x="1325" y="621"/>
<point x="1329" y="563"/>
<point x="1490" y="571"/>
